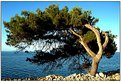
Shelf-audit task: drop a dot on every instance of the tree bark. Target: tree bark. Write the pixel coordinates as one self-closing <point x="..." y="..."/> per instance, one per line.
<point x="89" y="51"/>
<point x="95" y="56"/>
<point x="94" y="67"/>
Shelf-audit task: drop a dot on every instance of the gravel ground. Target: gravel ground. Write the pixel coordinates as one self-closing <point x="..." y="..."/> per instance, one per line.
<point x="74" y="77"/>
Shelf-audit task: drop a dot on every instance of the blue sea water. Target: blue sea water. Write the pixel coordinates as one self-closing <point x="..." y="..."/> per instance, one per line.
<point x="13" y="65"/>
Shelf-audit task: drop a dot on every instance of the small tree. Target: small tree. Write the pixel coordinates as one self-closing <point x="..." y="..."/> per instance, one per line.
<point x="72" y="32"/>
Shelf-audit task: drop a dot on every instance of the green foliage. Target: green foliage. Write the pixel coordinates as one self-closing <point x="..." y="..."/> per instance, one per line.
<point x="89" y="36"/>
<point x="111" y="47"/>
<point x="75" y="16"/>
<point x="52" y="25"/>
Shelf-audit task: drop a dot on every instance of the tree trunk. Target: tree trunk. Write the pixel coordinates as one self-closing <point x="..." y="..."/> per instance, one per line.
<point x="95" y="58"/>
<point x="94" y="67"/>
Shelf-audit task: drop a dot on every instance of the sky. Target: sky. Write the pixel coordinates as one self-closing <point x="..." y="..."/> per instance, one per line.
<point x="107" y="12"/>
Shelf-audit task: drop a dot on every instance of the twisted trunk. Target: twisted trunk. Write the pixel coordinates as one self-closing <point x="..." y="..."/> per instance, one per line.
<point x="96" y="57"/>
<point x="95" y="62"/>
<point x="94" y="67"/>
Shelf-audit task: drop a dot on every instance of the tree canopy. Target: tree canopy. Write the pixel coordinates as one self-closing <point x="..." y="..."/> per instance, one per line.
<point x="51" y="29"/>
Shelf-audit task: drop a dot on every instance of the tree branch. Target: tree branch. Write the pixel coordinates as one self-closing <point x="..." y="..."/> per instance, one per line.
<point x="99" y="53"/>
<point x="97" y="36"/>
<point x="101" y="47"/>
<point x="92" y="54"/>
<point x="89" y="51"/>
<point x="106" y="40"/>
<point x="76" y="34"/>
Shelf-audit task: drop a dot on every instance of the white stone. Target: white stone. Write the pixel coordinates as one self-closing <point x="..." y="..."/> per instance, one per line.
<point x="73" y="74"/>
<point x="28" y="78"/>
<point x="117" y="74"/>
<point x="97" y="75"/>
<point x="50" y="79"/>
<point x="78" y="76"/>
<point x="101" y="74"/>
<point x="54" y="79"/>
<point x="48" y="76"/>
<point x="15" y="79"/>
<point x="81" y="79"/>
<point x="60" y="78"/>
<point x="117" y="77"/>
<point x="64" y="79"/>
<point x="108" y="78"/>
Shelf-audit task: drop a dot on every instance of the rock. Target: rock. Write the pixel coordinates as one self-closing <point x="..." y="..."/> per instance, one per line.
<point x="78" y="76"/>
<point x="113" y="77"/>
<point x="85" y="78"/>
<point x="70" y="77"/>
<point x="105" y="76"/>
<point x="117" y="74"/>
<point x="60" y="78"/>
<point x="81" y="79"/>
<point x="54" y="79"/>
<point x="117" y="77"/>
<point x="73" y="74"/>
<point x="101" y="74"/>
<point x="29" y="79"/>
<point x="38" y="78"/>
<point x="108" y="78"/>
<point x="97" y="75"/>
<point x="73" y="77"/>
<point x="19" y="79"/>
<point x="48" y="76"/>
<point x="89" y="78"/>
<point x="92" y="76"/>
<point x="49" y="79"/>
<point x="15" y="79"/>
<point x="77" y="79"/>
<point x="88" y="74"/>
<point x="64" y="79"/>
<point x="25" y="79"/>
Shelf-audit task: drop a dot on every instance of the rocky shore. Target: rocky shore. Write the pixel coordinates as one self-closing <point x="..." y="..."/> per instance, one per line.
<point x="74" y="77"/>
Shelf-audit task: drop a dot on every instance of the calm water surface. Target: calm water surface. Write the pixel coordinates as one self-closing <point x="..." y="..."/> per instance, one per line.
<point x="13" y="65"/>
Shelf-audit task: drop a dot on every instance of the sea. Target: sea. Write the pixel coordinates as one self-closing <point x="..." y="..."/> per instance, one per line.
<point x="14" y="65"/>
